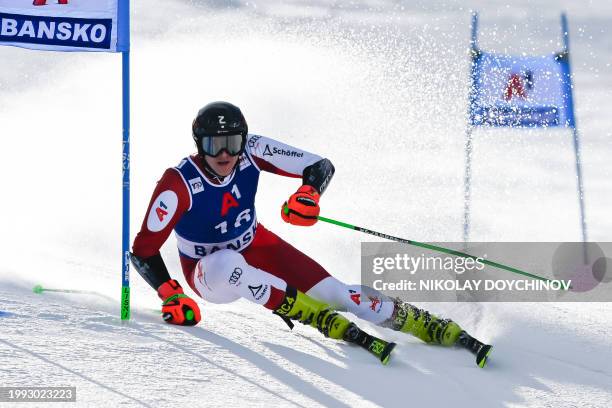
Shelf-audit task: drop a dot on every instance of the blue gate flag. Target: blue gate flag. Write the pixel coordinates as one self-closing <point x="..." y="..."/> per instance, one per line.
<point x="63" y="25"/>
<point x="520" y="91"/>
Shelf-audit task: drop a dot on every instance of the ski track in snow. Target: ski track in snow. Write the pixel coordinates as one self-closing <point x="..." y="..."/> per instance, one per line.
<point x="246" y="356"/>
<point x="380" y="87"/>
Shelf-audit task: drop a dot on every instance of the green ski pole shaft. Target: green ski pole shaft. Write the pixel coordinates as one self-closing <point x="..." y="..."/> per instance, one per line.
<point x="40" y="289"/>
<point x="431" y="247"/>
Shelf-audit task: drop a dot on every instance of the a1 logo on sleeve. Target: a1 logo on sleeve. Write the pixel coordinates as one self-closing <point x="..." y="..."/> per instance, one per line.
<point x="162" y="211"/>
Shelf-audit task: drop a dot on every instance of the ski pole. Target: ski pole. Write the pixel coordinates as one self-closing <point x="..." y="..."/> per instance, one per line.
<point x="39" y="289"/>
<point x="432" y="247"/>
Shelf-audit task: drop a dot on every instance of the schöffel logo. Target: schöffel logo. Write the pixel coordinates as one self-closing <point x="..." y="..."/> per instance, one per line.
<point x="282" y="152"/>
<point x="289" y="153"/>
<point x="267" y="151"/>
<point x="255" y="290"/>
<point x="56" y="30"/>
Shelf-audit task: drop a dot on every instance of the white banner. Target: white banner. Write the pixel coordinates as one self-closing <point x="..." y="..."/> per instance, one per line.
<point x="60" y="25"/>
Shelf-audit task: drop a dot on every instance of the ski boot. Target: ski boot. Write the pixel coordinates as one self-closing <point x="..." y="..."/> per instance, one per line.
<point x="432" y="329"/>
<point x="476" y="347"/>
<point x="303" y="308"/>
<point x="423" y="325"/>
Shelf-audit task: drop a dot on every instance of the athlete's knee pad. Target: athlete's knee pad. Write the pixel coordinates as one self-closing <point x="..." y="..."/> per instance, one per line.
<point x="216" y="275"/>
<point x="226" y="276"/>
<point x="221" y="265"/>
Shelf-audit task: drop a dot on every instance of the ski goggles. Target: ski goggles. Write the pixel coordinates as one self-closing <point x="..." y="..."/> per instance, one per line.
<point x="214" y="145"/>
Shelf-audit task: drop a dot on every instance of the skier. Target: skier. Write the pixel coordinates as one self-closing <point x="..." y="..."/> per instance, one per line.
<point x="208" y="199"/>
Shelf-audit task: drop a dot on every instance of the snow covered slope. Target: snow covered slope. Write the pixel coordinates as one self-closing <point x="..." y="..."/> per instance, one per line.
<point x="379" y="87"/>
<point x="546" y="355"/>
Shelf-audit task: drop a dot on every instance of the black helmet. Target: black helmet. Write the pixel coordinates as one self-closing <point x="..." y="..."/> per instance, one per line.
<point x="219" y="126"/>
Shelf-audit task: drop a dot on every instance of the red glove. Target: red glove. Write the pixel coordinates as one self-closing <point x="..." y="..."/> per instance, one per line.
<point x="302" y="208"/>
<point x="178" y="308"/>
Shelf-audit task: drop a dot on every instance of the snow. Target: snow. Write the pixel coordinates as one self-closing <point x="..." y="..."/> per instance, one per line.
<point x="379" y="87"/>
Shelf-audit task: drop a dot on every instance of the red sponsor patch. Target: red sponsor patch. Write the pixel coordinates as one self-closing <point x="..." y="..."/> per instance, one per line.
<point x="375" y="301"/>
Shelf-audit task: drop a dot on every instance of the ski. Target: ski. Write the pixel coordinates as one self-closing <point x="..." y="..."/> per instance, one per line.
<point x="378" y="347"/>
<point x="476" y="347"/>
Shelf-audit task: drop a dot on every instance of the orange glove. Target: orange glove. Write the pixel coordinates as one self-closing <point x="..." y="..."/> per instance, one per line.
<point x="178" y="308"/>
<point x="302" y="208"/>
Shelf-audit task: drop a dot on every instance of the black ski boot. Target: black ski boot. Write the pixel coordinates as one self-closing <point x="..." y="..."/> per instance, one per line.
<point x="476" y="347"/>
